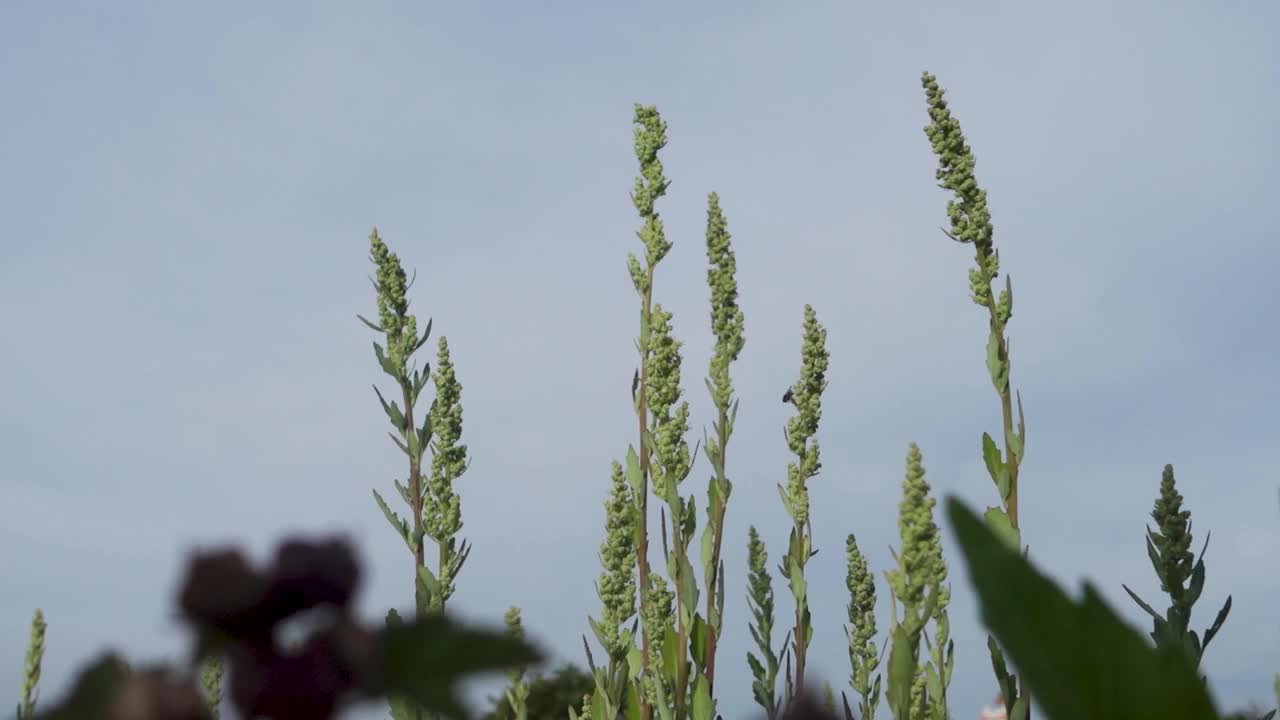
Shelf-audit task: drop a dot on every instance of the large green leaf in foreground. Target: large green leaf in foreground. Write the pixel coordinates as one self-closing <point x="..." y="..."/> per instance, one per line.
<point x="1079" y="659"/>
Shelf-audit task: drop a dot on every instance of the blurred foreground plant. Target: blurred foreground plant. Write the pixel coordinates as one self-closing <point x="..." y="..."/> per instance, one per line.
<point x="234" y="612"/>
<point x="1083" y="660"/>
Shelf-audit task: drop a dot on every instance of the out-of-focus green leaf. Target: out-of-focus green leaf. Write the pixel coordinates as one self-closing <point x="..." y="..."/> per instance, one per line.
<point x="1079" y="658"/>
<point x="424" y="659"/>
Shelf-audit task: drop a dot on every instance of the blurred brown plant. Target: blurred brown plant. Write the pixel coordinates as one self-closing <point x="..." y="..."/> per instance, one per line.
<point x="234" y="611"/>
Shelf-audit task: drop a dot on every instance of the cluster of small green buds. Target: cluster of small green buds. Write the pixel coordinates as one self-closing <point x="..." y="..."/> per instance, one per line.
<point x="617" y="585"/>
<point x="1173" y="540"/>
<point x="918" y="562"/>
<point x="443" y="516"/>
<point x="31" y="672"/>
<point x="393" y="305"/>
<point x="806" y="395"/>
<point x="657" y="616"/>
<point x="970" y="218"/>
<point x="650" y="137"/>
<point x="211" y="678"/>
<point x="726" y="317"/>
<point x="671" y="450"/>
<point x="863" y="656"/>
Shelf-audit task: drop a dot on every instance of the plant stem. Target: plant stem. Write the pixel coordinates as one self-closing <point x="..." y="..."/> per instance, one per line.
<point x="971" y="224"/>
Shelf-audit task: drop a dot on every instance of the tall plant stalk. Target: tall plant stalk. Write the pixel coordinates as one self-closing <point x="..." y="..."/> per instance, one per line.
<point x="971" y="224"/>
<point x="800" y="432"/>
<point x="434" y="507"/>
<point x="727" y="326"/>
<point x="650" y="137"/>
<point x="663" y="460"/>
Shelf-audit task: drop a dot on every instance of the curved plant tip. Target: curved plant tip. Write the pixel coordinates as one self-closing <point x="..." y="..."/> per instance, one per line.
<point x="31" y="672"/>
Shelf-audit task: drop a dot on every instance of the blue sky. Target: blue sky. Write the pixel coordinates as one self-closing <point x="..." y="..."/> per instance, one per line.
<point x="185" y="202"/>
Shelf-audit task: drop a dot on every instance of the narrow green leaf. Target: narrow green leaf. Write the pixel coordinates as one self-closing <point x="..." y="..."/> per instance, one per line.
<point x="388" y="366"/>
<point x="1217" y="622"/>
<point x="599" y="631"/>
<point x="634" y="476"/>
<point x="698" y="640"/>
<point x="703" y="705"/>
<point x="995" y="466"/>
<point x="1156" y="562"/>
<point x="400" y="526"/>
<point x="932" y="683"/>
<point x="391" y="409"/>
<point x="633" y="701"/>
<point x="902" y="672"/>
<point x="799" y="588"/>
<point x="1141" y="603"/>
<point x="1197" y="576"/>
<point x="372" y="326"/>
<point x="994" y="365"/>
<point x="999" y="523"/>
<point x="423" y="340"/>
<point x="1019" y="709"/>
<point x="1004" y="680"/>
<point x="428" y="580"/>
<point x="708" y="546"/>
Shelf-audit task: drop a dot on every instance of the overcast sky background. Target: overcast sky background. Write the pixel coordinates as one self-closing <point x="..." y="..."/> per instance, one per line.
<point x="186" y="192"/>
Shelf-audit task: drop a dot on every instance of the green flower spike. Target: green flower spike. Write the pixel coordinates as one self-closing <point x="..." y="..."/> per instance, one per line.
<point x="863" y="655"/>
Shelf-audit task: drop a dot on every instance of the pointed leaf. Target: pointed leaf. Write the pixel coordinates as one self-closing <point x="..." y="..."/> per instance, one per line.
<point x="848" y="711"/>
<point x="703" y="707"/>
<point x="634" y="476"/>
<point x="698" y="640"/>
<point x="1018" y="441"/>
<point x="1156" y="563"/>
<point x="1019" y="709"/>
<point x="1141" y="603"/>
<point x="400" y="526"/>
<point x="1217" y="623"/>
<point x="372" y="326"/>
<point x="391" y="409"/>
<point x="999" y="523"/>
<point x="995" y="367"/>
<point x="902" y="672"/>
<point x="423" y="340"/>
<point x="995" y="466"/>
<point x="388" y="366"/>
